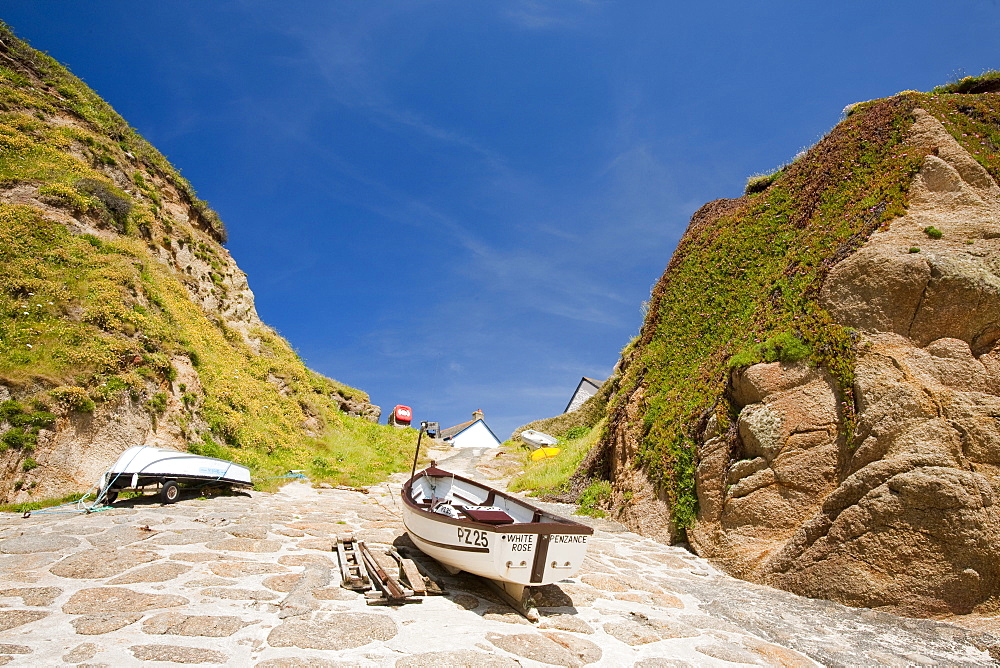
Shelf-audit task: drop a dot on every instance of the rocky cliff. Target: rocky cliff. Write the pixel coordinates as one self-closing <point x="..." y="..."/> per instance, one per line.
<point x="814" y="398"/>
<point x="123" y="319"/>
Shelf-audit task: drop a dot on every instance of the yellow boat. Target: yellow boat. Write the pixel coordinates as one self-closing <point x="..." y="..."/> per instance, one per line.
<point x="544" y="453"/>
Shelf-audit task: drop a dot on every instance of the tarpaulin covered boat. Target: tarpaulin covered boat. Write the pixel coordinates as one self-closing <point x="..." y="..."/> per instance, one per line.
<point x="140" y="466"/>
<point x="537" y="439"/>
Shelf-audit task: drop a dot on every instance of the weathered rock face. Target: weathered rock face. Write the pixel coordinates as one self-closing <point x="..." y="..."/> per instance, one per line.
<point x="905" y="516"/>
<point x="639" y="502"/>
<point x="788" y="428"/>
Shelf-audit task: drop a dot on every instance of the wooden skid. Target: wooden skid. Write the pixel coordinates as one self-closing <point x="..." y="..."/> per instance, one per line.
<point x="393" y="593"/>
<point x="409" y="572"/>
<point x="432" y="586"/>
<point x="385" y="579"/>
<point x="353" y="572"/>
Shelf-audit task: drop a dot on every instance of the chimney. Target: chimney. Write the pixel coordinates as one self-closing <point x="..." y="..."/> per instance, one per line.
<point x="477" y="414"/>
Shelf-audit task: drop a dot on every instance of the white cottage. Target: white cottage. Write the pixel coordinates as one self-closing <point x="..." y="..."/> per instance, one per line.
<point x="587" y="388"/>
<point x="472" y="434"/>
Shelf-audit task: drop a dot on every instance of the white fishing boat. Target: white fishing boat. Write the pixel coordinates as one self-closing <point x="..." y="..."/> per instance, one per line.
<point x="469" y="526"/>
<point x="141" y="466"/>
<point x="537" y="439"/>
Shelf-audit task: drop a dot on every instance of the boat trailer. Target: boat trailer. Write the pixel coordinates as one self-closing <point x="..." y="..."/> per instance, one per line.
<point x="387" y="579"/>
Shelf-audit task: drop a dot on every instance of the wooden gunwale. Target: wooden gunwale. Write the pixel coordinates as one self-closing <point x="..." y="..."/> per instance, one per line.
<point x="559" y="525"/>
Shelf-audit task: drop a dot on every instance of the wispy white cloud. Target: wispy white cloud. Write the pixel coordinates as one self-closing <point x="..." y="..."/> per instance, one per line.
<point x="444" y="135"/>
<point x="356" y="71"/>
<point x="544" y="258"/>
<point x="548" y="281"/>
<point x="549" y="14"/>
<point x="559" y="233"/>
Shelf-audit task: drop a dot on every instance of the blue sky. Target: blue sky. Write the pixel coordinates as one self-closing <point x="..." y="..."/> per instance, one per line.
<point x="458" y="205"/>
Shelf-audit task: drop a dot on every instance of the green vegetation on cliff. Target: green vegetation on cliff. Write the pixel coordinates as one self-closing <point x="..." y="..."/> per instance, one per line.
<point x="102" y="310"/>
<point x="34" y="82"/>
<point x="742" y="285"/>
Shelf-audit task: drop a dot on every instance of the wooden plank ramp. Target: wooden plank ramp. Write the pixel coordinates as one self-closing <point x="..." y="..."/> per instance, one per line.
<point x="414" y="571"/>
<point x="386" y="578"/>
<point x="391" y="592"/>
<point x="353" y="572"/>
<point x="409" y="573"/>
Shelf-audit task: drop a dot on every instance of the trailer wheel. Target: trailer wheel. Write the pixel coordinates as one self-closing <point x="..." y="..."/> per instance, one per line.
<point x="170" y="492"/>
<point x="110" y="496"/>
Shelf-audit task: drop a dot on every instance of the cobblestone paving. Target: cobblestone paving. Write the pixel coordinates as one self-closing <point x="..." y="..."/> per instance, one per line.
<point x="252" y="581"/>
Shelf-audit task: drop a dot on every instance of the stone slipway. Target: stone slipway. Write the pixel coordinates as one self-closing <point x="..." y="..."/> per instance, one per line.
<point x="252" y="581"/>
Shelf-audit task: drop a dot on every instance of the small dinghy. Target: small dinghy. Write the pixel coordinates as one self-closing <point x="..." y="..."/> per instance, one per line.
<point x="536" y="439"/>
<point x="544" y="453"/>
<point x="468" y="526"/>
<point x="141" y="465"/>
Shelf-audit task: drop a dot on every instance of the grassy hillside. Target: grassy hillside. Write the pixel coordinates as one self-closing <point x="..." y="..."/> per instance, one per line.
<point x="34" y="85"/>
<point x="108" y="318"/>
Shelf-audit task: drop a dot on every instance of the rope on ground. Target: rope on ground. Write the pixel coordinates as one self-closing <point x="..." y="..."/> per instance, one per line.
<point x="79" y="503"/>
<point x="296" y="474"/>
<point x="392" y="496"/>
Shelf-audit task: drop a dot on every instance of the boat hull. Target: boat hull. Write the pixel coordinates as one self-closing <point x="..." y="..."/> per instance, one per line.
<point x="143" y="465"/>
<point x="544" y="453"/>
<point x="521" y="552"/>
<point x="536" y="439"/>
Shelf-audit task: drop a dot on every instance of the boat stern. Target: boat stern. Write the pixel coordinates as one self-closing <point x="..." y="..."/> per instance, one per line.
<point x="540" y="558"/>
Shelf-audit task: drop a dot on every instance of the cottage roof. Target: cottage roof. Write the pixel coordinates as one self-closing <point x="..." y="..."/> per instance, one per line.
<point x="452" y="432"/>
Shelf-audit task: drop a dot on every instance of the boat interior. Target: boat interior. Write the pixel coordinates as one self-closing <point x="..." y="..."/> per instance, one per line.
<point x="458" y="498"/>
